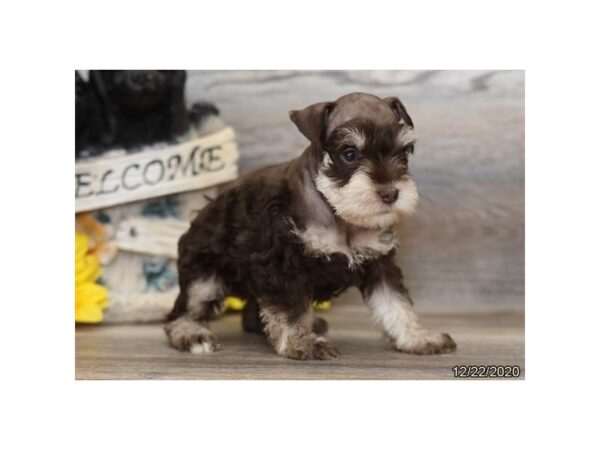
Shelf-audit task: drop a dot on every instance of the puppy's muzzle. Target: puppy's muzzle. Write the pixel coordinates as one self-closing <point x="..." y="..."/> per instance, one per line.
<point x="388" y="194"/>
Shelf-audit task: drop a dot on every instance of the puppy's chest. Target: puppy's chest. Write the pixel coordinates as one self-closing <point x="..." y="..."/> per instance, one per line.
<point x="358" y="245"/>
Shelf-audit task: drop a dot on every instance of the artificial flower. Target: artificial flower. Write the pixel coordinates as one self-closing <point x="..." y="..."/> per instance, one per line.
<point x="90" y="297"/>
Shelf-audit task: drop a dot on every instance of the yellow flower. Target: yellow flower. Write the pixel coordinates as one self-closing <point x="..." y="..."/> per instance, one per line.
<point x="234" y="303"/>
<point x="322" y="305"/>
<point x="237" y="304"/>
<point x="90" y="297"/>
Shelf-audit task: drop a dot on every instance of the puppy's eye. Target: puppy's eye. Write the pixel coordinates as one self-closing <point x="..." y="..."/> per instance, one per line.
<point x="350" y="154"/>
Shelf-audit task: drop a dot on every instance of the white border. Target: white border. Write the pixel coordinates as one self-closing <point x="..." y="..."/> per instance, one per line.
<point x="553" y="41"/>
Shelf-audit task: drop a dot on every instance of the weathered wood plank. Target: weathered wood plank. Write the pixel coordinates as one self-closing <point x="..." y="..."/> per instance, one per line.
<point x="142" y="352"/>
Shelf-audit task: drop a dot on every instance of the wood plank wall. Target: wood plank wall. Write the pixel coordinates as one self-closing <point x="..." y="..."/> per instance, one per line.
<point x="464" y="249"/>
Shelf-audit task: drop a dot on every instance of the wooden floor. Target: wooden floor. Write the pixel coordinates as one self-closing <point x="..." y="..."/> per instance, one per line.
<point x="141" y="351"/>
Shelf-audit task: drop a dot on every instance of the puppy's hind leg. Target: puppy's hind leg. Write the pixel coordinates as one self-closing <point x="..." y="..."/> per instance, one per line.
<point x="252" y="322"/>
<point x="186" y="326"/>
<point x="291" y="333"/>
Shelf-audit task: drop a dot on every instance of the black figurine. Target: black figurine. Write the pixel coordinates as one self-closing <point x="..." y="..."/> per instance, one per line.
<point x="91" y="120"/>
<point x="130" y="109"/>
<point x="144" y="106"/>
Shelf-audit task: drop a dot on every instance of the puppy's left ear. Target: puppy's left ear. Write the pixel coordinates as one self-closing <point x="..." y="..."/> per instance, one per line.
<point x="312" y="121"/>
<point x="399" y="110"/>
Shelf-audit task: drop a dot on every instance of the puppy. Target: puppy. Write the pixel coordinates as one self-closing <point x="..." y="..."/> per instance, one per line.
<point x="308" y="229"/>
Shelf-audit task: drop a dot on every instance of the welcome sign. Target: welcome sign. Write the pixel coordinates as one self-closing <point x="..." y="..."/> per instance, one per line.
<point x="195" y="164"/>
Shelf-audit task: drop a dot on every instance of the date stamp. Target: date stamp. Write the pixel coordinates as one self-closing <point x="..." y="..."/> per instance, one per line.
<point x="487" y="371"/>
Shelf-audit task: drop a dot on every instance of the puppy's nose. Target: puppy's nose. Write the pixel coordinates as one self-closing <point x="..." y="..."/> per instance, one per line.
<point x="388" y="194"/>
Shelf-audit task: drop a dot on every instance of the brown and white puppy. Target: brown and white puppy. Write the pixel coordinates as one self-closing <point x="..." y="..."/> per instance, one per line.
<point x="308" y="229"/>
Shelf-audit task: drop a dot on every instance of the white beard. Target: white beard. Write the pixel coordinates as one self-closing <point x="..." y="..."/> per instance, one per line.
<point x="358" y="203"/>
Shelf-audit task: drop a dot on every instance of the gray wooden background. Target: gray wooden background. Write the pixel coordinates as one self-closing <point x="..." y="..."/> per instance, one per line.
<point x="464" y="249"/>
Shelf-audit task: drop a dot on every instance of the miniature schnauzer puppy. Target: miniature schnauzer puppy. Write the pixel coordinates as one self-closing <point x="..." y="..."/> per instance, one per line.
<point x="306" y="230"/>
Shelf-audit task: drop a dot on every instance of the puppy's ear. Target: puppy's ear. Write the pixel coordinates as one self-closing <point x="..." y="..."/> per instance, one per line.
<point x="312" y="120"/>
<point x="399" y="110"/>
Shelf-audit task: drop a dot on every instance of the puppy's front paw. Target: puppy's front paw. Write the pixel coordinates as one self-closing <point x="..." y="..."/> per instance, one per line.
<point x="206" y="343"/>
<point x="310" y="348"/>
<point x="424" y="342"/>
<point x="187" y="335"/>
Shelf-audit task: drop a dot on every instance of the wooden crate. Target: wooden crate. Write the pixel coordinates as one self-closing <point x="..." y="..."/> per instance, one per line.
<point x="135" y="206"/>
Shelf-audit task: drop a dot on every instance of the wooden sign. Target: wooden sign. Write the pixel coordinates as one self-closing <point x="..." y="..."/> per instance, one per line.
<point x="150" y="236"/>
<point x="196" y="164"/>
